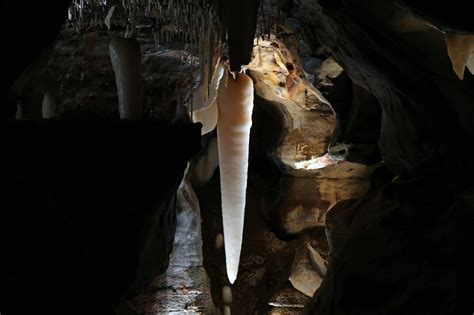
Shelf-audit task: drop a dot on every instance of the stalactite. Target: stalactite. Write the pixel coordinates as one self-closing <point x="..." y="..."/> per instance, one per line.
<point x="125" y="55"/>
<point x="49" y="107"/>
<point x="156" y="38"/>
<point x="460" y="49"/>
<point x="202" y="112"/>
<point x="108" y="18"/>
<point x="195" y="22"/>
<point x="470" y="64"/>
<point x="235" y="105"/>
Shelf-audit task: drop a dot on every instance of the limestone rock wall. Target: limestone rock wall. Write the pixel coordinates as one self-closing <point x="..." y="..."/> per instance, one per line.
<point x="392" y="249"/>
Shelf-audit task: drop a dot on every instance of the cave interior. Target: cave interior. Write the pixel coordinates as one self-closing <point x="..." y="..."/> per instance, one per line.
<point x="236" y="157"/>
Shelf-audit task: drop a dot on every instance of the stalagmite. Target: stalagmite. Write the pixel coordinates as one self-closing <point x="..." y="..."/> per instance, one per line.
<point x="226" y="294"/>
<point x="108" y="18"/>
<point x="470" y="64"/>
<point x="126" y="60"/>
<point x="48" y="109"/>
<point x="227" y="310"/>
<point x="235" y="105"/>
<point x="460" y="48"/>
<point x="219" y="242"/>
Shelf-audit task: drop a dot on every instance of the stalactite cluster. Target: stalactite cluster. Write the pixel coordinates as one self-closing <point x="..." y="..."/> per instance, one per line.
<point x="183" y="20"/>
<point x="87" y="14"/>
<point x="186" y="21"/>
<point x="270" y="14"/>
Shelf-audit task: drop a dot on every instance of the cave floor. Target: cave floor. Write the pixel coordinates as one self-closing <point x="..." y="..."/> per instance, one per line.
<point x="262" y="285"/>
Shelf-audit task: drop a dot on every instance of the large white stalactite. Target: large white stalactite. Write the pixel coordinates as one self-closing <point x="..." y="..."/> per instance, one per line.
<point x="235" y="105"/>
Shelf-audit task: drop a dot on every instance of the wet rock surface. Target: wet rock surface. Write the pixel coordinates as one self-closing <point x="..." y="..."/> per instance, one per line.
<point x="402" y="83"/>
<point x="179" y="290"/>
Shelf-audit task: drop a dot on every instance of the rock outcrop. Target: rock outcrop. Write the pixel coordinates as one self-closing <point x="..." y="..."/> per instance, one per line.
<point x="185" y="286"/>
<point x="305" y="124"/>
<point x="392" y="253"/>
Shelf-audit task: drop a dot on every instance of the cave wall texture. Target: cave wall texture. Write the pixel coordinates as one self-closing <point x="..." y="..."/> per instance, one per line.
<point x="395" y="255"/>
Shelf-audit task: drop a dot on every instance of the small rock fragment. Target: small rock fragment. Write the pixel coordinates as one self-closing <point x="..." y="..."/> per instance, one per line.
<point x="305" y="277"/>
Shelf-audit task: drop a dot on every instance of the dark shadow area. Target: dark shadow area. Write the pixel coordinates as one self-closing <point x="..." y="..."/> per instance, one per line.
<point x="85" y="205"/>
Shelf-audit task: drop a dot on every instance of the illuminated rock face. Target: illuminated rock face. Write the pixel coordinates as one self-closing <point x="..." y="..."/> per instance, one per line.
<point x="235" y="103"/>
<point x="304" y="201"/>
<point x="308" y="119"/>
